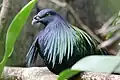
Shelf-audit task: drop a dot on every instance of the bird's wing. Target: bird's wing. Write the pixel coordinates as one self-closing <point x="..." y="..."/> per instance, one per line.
<point x="32" y="53"/>
<point x="87" y="44"/>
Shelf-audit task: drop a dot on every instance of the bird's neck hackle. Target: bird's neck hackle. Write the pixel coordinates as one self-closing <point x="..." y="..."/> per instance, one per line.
<point x="58" y="20"/>
<point x="59" y="38"/>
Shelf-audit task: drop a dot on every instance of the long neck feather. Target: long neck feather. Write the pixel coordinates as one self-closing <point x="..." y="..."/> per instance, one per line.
<point x="59" y="41"/>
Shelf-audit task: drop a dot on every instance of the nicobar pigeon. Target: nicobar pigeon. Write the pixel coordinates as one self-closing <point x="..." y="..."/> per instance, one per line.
<point x="60" y="44"/>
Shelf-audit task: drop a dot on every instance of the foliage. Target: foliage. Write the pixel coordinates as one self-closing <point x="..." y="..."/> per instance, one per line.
<point x="68" y="73"/>
<point x="104" y="64"/>
<point x="14" y="30"/>
<point x="108" y="64"/>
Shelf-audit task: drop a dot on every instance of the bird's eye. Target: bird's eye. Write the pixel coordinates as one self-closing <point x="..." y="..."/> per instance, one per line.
<point x="47" y="14"/>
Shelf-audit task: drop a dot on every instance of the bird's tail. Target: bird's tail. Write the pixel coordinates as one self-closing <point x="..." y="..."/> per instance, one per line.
<point x="32" y="53"/>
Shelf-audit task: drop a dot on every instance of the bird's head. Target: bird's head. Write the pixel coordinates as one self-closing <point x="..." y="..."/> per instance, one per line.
<point x="45" y="16"/>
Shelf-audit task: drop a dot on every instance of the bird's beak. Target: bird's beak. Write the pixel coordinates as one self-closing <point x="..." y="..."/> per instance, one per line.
<point x="34" y="21"/>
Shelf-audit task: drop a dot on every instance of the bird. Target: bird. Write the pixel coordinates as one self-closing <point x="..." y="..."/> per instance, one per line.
<point x="59" y="43"/>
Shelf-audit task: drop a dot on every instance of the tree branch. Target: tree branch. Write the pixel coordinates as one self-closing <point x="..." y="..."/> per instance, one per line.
<point x="106" y="25"/>
<point x="110" y="41"/>
<point x="42" y="73"/>
<point x="6" y="5"/>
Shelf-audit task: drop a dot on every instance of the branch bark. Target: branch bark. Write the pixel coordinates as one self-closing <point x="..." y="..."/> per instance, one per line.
<point x="6" y="5"/>
<point x="110" y="41"/>
<point x="42" y="73"/>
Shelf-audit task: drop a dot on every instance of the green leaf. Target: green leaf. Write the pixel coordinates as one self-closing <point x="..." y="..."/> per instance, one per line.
<point x="16" y="25"/>
<point x="108" y="64"/>
<point x="14" y="30"/>
<point x="66" y="74"/>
